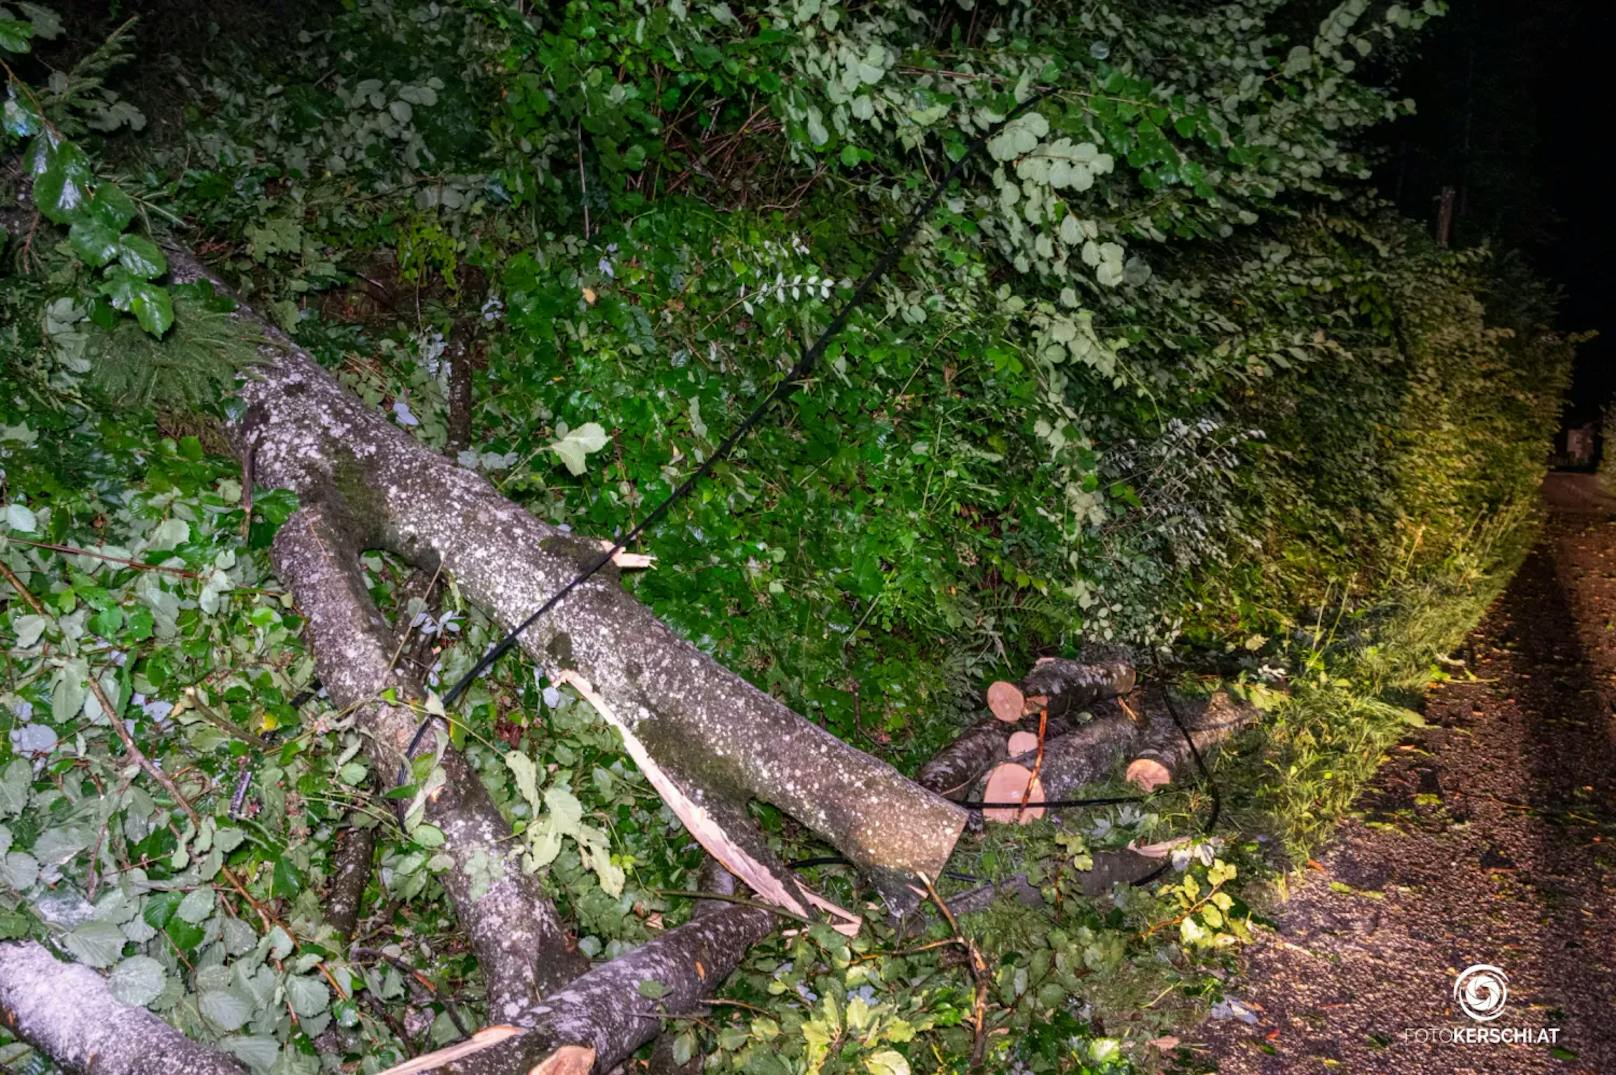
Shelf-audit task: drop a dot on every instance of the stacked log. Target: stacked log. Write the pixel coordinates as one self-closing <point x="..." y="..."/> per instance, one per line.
<point x="1053" y="694"/>
<point x="1069" y="723"/>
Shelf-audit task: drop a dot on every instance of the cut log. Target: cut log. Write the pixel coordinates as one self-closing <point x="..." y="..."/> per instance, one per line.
<point x="1088" y="753"/>
<point x="1163" y="754"/>
<point x="1022" y="743"/>
<point x="1008" y="783"/>
<point x="959" y="766"/>
<point x="1005" y="701"/>
<point x="1059" y="686"/>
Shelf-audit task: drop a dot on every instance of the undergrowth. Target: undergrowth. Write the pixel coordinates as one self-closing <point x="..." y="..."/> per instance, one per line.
<point x="1161" y="369"/>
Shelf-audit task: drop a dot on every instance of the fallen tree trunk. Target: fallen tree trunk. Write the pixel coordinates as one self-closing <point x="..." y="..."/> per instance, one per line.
<point x="1163" y="754"/>
<point x="521" y="947"/>
<point x="67" y="1012"/>
<point x="708" y="739"/>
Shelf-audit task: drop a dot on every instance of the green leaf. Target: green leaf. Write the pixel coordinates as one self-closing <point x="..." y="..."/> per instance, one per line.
<point x="286" y="881"/>
<point x="141" y="257"/>
<point x="160" y="908"/>
<point x="652" y="988"/>
<point x="184" y="935"/>
<point x="19" y="517"/>
<point x="96" y="943"/>
<point x="93" y="242"/>
<point x="575" y="444"/>
<point x="196" y="906"/>
<point x="19" y="871"/>
<point x="62" y="178"/>
<point x="280" y="943"/>
<point x="257" y="1052"/>
<point x="225" y="1008"/>
<point x="151" y="304"/>
<point x="47" y="23"/>
<point x="112" y="207"/>
<point x="565" y="811"/>
<point x="28" y="629"/>
<point x="886" y="1062"/>
<point x="14" y="782"/>
<point x="308" y="996"/>
<point x="527" y="776"/>
<point x="137" y="980"/>
<point x="18" y="118"/>
<point x="154" y="310"/>
<point x="14" y="35"/>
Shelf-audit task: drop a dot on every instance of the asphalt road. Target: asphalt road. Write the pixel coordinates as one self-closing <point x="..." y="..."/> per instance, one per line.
<point x="1488" y="837"/>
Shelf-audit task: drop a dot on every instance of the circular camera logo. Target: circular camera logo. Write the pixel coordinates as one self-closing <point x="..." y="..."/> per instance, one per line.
<point x="1480" y="991"/>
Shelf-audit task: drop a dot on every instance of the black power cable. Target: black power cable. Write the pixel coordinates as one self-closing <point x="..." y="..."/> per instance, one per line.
<point x="784" y="387"/>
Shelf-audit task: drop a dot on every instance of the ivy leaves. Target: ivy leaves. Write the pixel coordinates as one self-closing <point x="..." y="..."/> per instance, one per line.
<point x="96" y="214"/>
<point x="96" y="231"/>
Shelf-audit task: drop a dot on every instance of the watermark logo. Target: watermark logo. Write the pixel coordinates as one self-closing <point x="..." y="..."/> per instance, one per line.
<point x="1481" y="991"/>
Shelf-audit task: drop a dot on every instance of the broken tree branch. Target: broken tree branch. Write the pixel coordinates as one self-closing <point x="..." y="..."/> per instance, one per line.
<point x="67" y="1012"/>
<point x="520" y="944"/>
<point x="601" y="1018"/>
<point x="351" y="866"/>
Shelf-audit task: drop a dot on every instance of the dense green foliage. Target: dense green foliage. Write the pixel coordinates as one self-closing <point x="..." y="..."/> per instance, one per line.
<point x="1161" y="369"/>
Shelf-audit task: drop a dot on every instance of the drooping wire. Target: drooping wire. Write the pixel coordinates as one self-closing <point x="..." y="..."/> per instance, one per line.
<point x="785" y="386"/>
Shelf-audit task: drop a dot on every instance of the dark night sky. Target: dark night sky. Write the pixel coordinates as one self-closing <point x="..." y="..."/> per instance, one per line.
<point x="1513" y="100"/>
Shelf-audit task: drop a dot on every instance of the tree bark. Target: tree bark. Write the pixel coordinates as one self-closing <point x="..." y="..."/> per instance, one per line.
<point x="355" y="847"/>
<point x="521" y="947"/>
<point x="712" y="738"/>
<point x="1163" y="754"/>
<point x="960" y="766"/>
<point x="1060" y="686"/>
<point x="67" y="1012"/>
<point x="716" y="880"/>
<point x="600" y="1019"/>
<point x="459" y="355"/>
